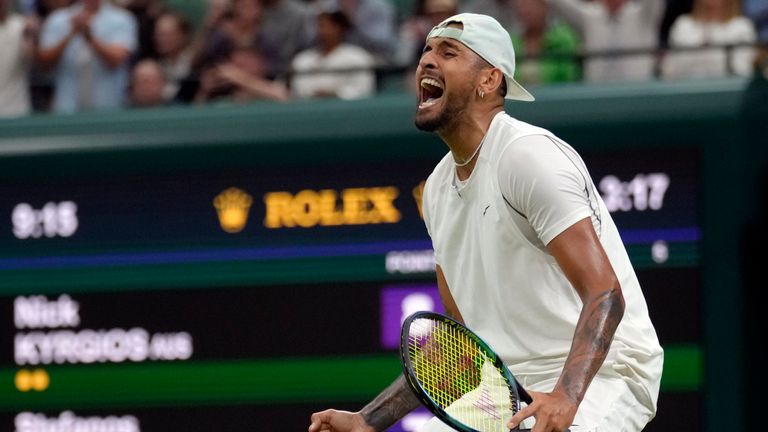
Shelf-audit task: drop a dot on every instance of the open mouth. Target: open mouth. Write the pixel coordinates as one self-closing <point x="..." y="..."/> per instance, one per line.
<point x="431" y="90"/>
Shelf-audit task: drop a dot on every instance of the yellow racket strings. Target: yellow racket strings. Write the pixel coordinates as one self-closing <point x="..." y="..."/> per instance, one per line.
<point x="458" y="375"/>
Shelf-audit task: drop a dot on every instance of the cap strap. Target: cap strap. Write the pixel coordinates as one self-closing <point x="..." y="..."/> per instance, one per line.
<point x="446" y="32"/>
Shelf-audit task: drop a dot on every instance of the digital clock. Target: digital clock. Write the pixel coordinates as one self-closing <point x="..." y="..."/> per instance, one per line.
<point x="52" y="220"/>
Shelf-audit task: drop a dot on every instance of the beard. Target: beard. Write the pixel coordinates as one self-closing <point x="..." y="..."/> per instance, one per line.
<point x="443" y="119"/>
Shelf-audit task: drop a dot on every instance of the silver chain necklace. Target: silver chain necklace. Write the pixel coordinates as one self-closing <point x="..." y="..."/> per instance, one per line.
<point x="466" y="162"/>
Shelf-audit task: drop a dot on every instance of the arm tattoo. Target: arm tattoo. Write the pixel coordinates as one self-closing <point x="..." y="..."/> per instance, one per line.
<point x="391" y="405"/>
<point x="594" y="332"/>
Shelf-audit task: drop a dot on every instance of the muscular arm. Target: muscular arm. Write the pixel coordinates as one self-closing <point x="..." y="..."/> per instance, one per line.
<point x="584" y="262"/>
<point x="112" y="54"/>
<point x="48" y="57"/>
<point x="397" y="400"/>
<point x="582" y="258"/>
<point x="391" y="405"/>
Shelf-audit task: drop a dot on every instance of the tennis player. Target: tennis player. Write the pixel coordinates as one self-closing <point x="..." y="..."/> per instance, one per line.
<point x="527" y="253"/>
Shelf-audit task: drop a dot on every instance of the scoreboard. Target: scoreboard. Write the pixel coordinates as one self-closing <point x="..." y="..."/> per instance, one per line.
<point x="225" y="293"/>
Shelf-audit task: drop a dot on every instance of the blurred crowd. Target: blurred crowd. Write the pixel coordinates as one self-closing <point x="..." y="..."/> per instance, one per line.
<point x="68" y="56"/>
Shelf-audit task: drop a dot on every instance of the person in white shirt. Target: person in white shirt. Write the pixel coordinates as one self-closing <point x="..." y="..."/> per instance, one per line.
<point x="619" y="37"/>
<point x="702" y="39"/>
<point x="88" y="46"/>
<point x="527" y="253"/>
<point x="333" y="68"/>
<point x="17" y="36"/>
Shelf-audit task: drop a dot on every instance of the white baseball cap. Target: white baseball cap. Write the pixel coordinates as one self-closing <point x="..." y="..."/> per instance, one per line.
<point x="488" y="39"/>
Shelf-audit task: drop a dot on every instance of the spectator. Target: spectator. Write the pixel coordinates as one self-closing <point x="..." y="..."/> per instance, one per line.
<point x="547" y="52"/>
<point x="502" y="10"/>
<point x="285" y="26"/>
<point x="333" y="68"/>
<point x="414" y="30"/>
<point x="609" y="27"/>
<point x="88" y="44"/>
<point x="714" y="24"/>
<point x="17" y="36"/>
<point x="233" y="26"/>
<point x="372" y="26"/>
<point x="146" y="13"/>
<point x="757" y="10"/>
<point x="243" y="78"/>
<point x="173" y="37"/>
<point x="147" y="84"/>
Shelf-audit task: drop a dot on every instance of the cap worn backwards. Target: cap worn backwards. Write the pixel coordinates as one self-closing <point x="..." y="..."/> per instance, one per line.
<point x="488" y="39"/>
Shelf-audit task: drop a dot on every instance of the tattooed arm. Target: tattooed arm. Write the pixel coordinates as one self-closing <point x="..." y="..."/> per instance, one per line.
<point x="391" y="405"/>
<point x="581" y="257"/>
<point x="388" y="407"/>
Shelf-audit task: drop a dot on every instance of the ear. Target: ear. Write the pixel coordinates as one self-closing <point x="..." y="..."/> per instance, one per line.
<point x="491" y="80"/>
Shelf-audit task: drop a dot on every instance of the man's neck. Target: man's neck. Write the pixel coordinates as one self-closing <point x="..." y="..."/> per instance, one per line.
<point x="466" y="135"/>
<point x="329" y="47"/>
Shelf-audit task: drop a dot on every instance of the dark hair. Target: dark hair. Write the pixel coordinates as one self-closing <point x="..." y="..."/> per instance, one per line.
<point x="181" y="20"/>
<point x="503" y="87"/>
<point x="482" y="63"/>
<point x="337" y="17"/>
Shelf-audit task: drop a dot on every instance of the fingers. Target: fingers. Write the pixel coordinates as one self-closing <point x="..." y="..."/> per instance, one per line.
<point x="521" y="415"/>
<point x="318" y="419"/>
<point x="528" y="411"/>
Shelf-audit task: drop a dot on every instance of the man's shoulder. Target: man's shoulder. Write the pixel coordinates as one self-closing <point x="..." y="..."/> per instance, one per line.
<point x="506" y="129"/>
<point x="306" y="59"/>
<point x="443" y="167"/>
<point x="61" y="16"/>
<point x="441" y="174"/>
<point x="348" y="52"/>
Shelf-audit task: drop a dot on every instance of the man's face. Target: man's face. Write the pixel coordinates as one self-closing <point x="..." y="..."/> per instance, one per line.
<point x="92" y="4"/>
<point x="614" y="6"/>
<point x="445" y="77"/>
<point x="148" y="84"/>
<point x="329" y="33"/>
<point x="169" y="36"/>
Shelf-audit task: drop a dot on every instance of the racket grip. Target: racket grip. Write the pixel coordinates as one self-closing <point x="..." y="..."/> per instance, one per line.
<point x="524" y="396"/>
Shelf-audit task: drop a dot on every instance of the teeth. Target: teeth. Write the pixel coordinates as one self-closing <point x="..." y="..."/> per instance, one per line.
<point x="427" y="103"/>
<point x="432" y="82"/>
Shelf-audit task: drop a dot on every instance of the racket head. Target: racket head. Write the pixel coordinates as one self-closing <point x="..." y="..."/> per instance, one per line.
<point x="457" y="375"/>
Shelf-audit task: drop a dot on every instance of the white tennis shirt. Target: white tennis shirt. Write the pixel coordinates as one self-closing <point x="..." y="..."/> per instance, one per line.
<point x="489" y="235"/>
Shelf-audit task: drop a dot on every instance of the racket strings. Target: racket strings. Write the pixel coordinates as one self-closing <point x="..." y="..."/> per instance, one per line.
<point x="458" y="376"/>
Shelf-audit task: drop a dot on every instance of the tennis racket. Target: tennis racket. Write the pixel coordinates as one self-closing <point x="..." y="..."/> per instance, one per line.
<point x="457" y="375"/>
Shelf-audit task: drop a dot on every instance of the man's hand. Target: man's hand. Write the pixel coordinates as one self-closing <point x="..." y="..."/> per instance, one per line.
<point x="81" y="22"/>
<point x="554" y="412"/>
<point x="338" y="421"/>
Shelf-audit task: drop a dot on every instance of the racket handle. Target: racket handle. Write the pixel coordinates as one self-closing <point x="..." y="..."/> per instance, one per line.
<point x="524" y="396"/>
